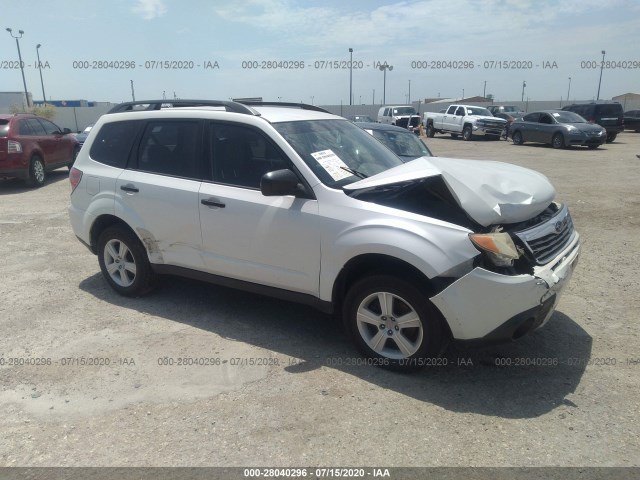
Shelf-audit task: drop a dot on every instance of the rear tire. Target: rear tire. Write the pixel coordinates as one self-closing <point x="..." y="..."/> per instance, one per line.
<point x="393" y="322"/>
<point x="37" y="173"/>
<point x="611" y="137"/>
<point x="517" y="138"/>
<point x="124" y="262"/>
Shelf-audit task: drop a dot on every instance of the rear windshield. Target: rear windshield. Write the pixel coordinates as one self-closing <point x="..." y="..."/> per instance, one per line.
<point x="4" y="128"/>
<point x="610" y="109"/>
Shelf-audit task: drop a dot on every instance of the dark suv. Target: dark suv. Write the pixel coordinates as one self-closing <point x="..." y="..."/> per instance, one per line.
<point x="607" y="115"/>
<point x="31" y="145"/>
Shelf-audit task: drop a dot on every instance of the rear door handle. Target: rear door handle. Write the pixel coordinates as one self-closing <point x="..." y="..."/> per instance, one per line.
<point x="212" y="202"/>
<point x="129" y="187"/>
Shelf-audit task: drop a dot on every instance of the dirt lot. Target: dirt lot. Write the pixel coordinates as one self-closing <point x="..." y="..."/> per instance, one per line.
<point x="275" y="383"/>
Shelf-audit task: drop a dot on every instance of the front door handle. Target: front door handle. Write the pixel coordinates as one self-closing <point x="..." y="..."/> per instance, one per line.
<point x="129" y="187"/>
<point x="212" y="202"/>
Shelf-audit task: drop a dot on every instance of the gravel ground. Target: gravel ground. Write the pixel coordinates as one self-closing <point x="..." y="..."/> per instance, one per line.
<point x="278" y="384"/>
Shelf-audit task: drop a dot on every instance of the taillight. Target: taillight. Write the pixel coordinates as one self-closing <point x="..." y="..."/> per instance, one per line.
<point x="75" y="176"/>
<point x="14" y="147"/>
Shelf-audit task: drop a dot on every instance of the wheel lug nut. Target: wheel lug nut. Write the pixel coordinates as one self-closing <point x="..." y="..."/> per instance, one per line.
<point x="382" y="326"/>
<point x="397" y="328"/>
<point x="384" y="318"/>
<point x="390" y="332"/>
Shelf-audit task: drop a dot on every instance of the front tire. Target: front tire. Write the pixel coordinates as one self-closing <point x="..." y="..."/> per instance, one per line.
<point x="467" y="133"/>
<point x="557" y="141"/>
<point x="124" y="262"/>
<point x="430" y="130"/>
<point x="393" y="322"/>
<point x="37" y="173"/>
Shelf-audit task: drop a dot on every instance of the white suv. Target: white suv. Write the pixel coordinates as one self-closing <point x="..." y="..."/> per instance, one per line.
<point x="291" y="201"/>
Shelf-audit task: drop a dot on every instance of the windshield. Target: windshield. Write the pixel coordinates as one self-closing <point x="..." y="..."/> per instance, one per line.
<point x="509" y="108"/>
<point x="568" y="117"/>
<point x="404" y="144"/>
<point x="479" y="111"/>
<point x="330" y="146"/>
<point x="404" y="111"/>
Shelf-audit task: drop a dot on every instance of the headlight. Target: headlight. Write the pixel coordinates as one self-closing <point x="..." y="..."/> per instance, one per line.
<point x="498" y="246"/>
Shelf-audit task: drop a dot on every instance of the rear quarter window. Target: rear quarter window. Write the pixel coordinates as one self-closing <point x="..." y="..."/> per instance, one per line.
<point x="4" y="128"/>
<point x="114" y="142"/>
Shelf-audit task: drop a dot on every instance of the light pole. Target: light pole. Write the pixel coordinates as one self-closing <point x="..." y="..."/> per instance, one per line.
<point x="569" y="90"/>
<point x="600" y="82"/>
<point x="484" y="92"/>
<point x="524" y="84"/>
<point x="409" y="92"/>
<point x="133" y="92"/>
<point x="384" y="68"/>
<point x="312" y="97"/>
<point x="44" y="97"/>
<point x="24" y="82"/>
<point x="351" y="76"/>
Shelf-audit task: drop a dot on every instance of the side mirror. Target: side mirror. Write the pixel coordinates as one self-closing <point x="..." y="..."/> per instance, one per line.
<point x="279" y="182"/>
<point x="66" y="131"/>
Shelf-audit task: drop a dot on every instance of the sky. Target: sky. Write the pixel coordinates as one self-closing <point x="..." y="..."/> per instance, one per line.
<point x="298" y="51"/>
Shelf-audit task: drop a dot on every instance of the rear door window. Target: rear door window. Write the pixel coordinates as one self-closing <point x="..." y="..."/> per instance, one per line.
<point x="171" y="147"/>
<point x="36" y="127"/>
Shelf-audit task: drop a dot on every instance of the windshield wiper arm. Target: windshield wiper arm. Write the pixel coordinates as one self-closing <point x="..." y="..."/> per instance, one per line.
<point x="354" y="172"/>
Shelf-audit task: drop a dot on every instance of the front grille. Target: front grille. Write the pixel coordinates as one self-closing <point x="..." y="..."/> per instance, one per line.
<point x="548" y="239"/>
<point x="492" y="124"/>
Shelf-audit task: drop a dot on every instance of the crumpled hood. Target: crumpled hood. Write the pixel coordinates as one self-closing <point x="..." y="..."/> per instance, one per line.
<point x="490" y="192"/>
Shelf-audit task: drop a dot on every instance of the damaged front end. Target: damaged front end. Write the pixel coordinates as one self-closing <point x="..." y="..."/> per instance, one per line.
<point x="516" y="282"/>
<point x="527" y="245"/>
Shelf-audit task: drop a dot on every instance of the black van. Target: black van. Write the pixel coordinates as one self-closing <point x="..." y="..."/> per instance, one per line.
<point x="607" y="115"/>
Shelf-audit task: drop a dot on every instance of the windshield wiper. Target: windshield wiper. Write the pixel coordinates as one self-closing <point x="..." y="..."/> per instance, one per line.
<point x="354" y="172"/>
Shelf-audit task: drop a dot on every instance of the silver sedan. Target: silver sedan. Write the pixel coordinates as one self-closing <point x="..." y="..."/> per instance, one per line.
<point x="558" y="128"/>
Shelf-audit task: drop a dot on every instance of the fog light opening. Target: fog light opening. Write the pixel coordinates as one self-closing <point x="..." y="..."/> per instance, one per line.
<point x="524" y="328"/>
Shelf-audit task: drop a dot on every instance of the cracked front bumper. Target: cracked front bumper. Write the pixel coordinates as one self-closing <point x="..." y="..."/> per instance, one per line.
<point x="487" y="307"/>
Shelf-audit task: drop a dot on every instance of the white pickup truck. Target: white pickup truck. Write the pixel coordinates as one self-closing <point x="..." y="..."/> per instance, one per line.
<point x="465" y="120"/>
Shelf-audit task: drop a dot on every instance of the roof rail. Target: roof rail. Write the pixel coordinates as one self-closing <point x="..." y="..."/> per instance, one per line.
<point x="159" y="104"/>
<point x="303" y="106"/>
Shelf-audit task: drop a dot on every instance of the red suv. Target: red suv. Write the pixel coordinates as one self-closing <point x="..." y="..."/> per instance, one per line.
<point x="32" y="145"/>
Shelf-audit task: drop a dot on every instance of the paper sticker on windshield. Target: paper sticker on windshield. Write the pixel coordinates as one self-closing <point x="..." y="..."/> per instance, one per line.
<point x="332" y="164"/>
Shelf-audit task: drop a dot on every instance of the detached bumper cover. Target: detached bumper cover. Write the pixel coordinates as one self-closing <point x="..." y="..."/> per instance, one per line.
<point x="487" y="307"/>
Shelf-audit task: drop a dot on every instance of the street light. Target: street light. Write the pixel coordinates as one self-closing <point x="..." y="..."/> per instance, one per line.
<point x="312" y="97"/>
<point x="409" y="92"/>
<point x="569" y="90"/>
<point x="44" y="97"/>
<point x="484" y="92"/>
<point x="524" y="84"/>
<point x="351" y="76"/>
<point x="600" y="82"/>
<point x="24" y="82"/>
<point x="384" y="68"/>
